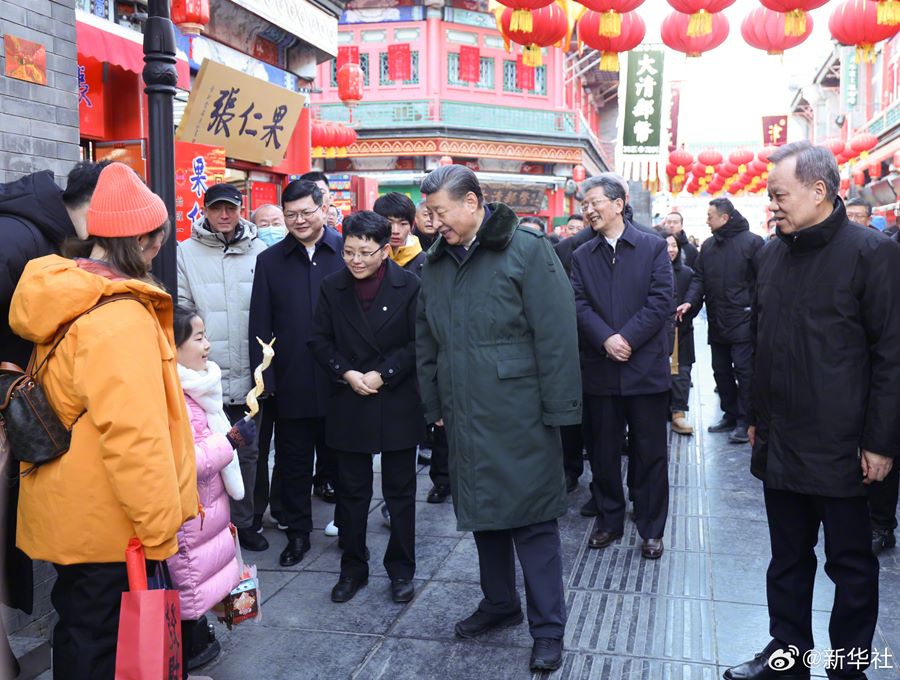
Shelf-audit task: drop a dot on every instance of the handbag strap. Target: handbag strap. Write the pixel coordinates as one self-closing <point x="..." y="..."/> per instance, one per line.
<point x="65" y="329"/>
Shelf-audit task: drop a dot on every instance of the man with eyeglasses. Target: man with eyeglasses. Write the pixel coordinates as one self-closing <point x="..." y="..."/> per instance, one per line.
<point x="285" y="292"/>
<point x="215" y="272"/>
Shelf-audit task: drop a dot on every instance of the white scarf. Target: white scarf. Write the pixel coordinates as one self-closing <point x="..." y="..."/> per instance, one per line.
<point x="205" y="387"/>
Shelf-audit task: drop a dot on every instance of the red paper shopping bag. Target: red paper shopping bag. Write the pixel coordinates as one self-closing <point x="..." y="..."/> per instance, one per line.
<point x="149" y="644"/>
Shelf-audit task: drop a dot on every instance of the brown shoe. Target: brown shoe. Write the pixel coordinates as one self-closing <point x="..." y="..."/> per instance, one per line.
<point x="680" y="425"/>
<point x="652" y="548"/>
<point x="601" y="539"/>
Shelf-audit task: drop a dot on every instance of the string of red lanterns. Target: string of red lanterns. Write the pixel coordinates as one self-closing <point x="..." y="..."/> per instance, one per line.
<point x="330" y="140"/>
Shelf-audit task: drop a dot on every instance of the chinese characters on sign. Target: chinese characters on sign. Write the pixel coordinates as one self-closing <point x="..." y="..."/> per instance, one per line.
<point x="91" y="99"/>
<point x="250" y="118"/>
<point x="641" y="131"/>
<point x="197" y="167"/>
<point x="774" y="130"/>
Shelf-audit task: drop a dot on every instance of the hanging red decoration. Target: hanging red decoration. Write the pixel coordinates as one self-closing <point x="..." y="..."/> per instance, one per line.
<point x="632" y="31"/>
<point x="579" y="173"/>
<point x="611" y="12"/>
<point x="855" y="22"/>
<point x="347" y="54"/>
<point x="191" y="16"/>
<point x="682" y="160"/>
<point x="522" y="19"/>
<point x="875" y="170"/>
<point x="795" y="11"/>
<point x="709" y="157"/>
<point x="550" y="27"/>
<point x="888" y="12"/>
<point x="675" y="35"/>
<point x="834" y="145"/>
<point x="862" y="143"/>
<point x="469" y="64"/>
<point x="701" y="14"/>
<point x="766" y="152"/>
<point x="524" y="75"/>
<point x="765" y="29"/>
<point x="350" y="84"/>
<point x="399" y="62"/>
<point x="859" y="178"/>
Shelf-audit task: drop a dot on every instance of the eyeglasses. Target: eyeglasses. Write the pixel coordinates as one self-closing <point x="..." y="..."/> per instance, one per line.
<point x="595" y="204"/>
<point x="305" y="214"/>
<point x="361" y="254"/>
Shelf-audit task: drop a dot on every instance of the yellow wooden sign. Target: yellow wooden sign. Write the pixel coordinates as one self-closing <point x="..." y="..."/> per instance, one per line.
<point x="250" y="118"/>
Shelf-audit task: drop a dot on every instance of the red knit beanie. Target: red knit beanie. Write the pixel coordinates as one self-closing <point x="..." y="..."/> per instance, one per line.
<point x="122" y="205"/>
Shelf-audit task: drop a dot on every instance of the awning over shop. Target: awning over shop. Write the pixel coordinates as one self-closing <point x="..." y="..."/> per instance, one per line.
<point x="883" y="153"/>
<point x="107" y="42"/>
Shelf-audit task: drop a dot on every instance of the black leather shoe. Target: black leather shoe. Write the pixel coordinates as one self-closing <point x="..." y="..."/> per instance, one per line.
<point x="481" y="622"/>
<point x="724" y="425"/>
<point x="438" y="494"/>
<point x="252" y="541"/>
<point x="402" y="590"/>
<point x="882" y="539"/>
<point x="589" y="509"/>
<point x="739" y="435"/>
<point x="652" y="548"/>
<point x="546" y="655"/>
<point x="346" y="588"/>
<point x="601" y="539"/>
<point x="787" y="666"/>
<point x="571" y="483"/>
<point x="294" y="551"/>
<point x="328" y="493"/>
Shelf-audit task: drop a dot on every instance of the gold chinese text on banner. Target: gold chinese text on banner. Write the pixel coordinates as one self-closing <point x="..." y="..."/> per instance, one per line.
<point x="250" y="118"/>
<point x="774" y="130"/>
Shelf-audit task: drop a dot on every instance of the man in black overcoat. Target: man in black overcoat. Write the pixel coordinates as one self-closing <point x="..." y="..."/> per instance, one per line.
<point x="826" y="394"/>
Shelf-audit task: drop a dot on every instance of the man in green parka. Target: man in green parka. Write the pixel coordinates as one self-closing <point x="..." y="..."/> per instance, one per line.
<point x="497" y="353"/>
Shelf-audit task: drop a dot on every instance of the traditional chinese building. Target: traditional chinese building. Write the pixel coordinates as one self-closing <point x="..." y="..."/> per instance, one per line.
<point x="523" y="142"/>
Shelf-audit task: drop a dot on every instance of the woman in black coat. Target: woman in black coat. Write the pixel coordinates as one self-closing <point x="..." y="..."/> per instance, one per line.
<point x="364" y="336"/>
<point x="681" y="382"/>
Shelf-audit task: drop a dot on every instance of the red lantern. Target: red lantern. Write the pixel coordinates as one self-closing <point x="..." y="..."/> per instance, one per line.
<point x="795" y="12"/>
<point x="550" y="26"/>
<point x="522" y="19"/>
<point x="845" y="184"/>
<point x="611" y="14"/>
<point x="682" y="160"/>
<point x="709" y="157"/>
<point x="895" y="162"/>
<point x="862" y="143"/>
<point x="888" y="12"/>
<point x="674" y="33"/>
<point x="350" y="84"/>
<point x="757" y="167"/>
<point x="765" y="153"/>
<point x="671" y="169"/>
<point x="701" y="14"/>
<point x="315" y="135"/>
<point x="875" y="170"/>
<point x="855" y="22"/>
<point x="834" y="145"/>
<point x="190" y="15"/>
<point x="859" y="178"/>
<point x="632" y="31"/>
<point x="728" y="168"/>
<point x="766" y="30"/>
<point x="579" y="173"/>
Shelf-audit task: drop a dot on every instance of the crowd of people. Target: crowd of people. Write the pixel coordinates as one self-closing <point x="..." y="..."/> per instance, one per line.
<point x="453" y="334"/>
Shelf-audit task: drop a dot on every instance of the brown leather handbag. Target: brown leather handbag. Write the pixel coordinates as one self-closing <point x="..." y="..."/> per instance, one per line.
<point x="34" y="431"/>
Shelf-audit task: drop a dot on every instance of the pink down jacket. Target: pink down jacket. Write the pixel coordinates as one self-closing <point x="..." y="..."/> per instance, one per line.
<point x="205" y="569"/>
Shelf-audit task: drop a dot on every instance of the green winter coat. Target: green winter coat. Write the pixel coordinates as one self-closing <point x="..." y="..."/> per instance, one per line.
<point x="497" y="352"/>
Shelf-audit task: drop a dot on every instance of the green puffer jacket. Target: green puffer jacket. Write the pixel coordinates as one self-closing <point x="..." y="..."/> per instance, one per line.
<point x="497" y="349"/>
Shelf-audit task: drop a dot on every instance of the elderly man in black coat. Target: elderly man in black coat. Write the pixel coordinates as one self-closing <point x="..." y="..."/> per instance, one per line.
<point x="624" y="299"/>
<point x="826" y="394"/>
<point x="285" y="292"/>
<point x="725" y="276"/>
<point x="364" y="335"/>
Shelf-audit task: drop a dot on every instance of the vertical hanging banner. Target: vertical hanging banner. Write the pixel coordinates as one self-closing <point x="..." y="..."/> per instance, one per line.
<point x="347" y="54"/>
<point x="399" y="62"/>
<point x="524" y="75"/>
<point x="774" y="130"/>
<point x="91" y="99"/>
<point x="197" y="167"/>
<point x="642" y="123"/>
<point x="674" y="108"/>
<point x="469" y="64"/>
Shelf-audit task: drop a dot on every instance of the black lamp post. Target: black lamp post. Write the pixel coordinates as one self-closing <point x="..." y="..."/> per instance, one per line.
<point x="160" y="77"/>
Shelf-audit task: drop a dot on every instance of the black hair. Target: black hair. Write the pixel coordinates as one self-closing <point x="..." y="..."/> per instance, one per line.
<point x="123" y="253"/>
<point x="614" y="187"/>
<point x="314" y="176"/>
<point x="81" y="183"/>
<point x="369" y="226"/>
<point x="531" y="219"/>
<point x="457" y="180"/>
<point x="301" y="188"/>
<point x="858" y="201"/>
<point x="396" y="205"/>
<point x="182" y="316"/>
<point x="575" y="216"/>
<point x="677" y="242"/>
<point x="680" y="216"/>
<point x="723" y="206"/>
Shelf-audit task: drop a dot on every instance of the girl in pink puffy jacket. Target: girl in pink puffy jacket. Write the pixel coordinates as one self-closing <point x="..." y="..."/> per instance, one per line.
<point x="205" y="569"/>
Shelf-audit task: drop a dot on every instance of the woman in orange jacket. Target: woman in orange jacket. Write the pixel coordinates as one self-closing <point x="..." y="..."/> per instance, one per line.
<point x="130" y="469"/>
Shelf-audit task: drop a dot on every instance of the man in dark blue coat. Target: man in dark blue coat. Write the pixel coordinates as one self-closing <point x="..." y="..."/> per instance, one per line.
<point x="624" y="298"/>
<point x="285" y="291"/>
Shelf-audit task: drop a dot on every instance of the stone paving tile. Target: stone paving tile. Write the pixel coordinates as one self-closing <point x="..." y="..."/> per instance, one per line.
<point x="601" y="667"/>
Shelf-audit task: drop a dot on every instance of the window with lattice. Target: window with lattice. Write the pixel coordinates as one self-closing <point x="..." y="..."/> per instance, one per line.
<point x="384" y="74"/>
<point x="509" y="79"/>
<point x="485" y="72"/>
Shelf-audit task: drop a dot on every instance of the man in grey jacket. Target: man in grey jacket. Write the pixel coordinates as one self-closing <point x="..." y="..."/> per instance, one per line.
<point x="215" y="276"/>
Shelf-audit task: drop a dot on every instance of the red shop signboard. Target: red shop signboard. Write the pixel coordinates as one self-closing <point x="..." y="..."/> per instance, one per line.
<point x="91" y="99"/>
<point x="197" y="167"/>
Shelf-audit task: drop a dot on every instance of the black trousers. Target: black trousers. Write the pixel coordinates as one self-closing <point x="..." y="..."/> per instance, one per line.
<point x="575" y="438"/>
<point x="540" y="554"/>
<point x="648" y="476"/>
<point x="87" y="598"/>
<point x="398" y="484"/>
<point x="439" y="469"/>
<point x="242" y="510"/>
<point x="263" y="495"/>
<point x="732" y="366"/>
<point x="794" y="521"/>
<point x="681" y="388"/>
<point x="297" y="441"/>
<point x="883" y="500"/>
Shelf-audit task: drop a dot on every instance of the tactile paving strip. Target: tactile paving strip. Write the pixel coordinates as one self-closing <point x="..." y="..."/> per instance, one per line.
<point x="591" y="667"/>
